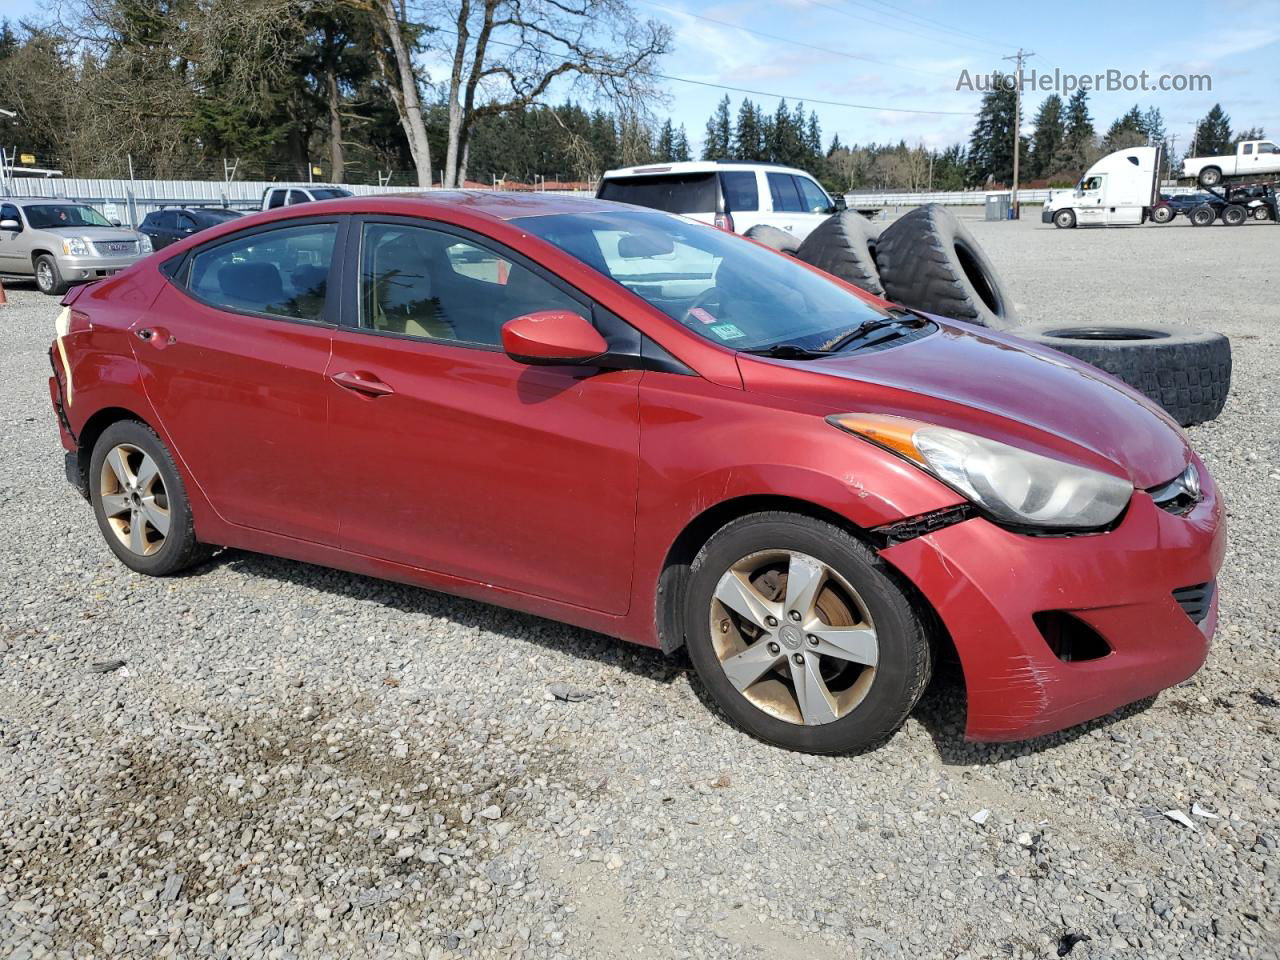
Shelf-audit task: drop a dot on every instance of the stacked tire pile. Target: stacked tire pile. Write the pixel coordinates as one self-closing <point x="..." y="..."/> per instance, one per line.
<point x="928" y="261"/>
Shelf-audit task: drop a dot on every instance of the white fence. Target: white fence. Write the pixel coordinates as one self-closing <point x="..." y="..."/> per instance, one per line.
<point x="955" y="198"/>
<point x="134" y="199"/>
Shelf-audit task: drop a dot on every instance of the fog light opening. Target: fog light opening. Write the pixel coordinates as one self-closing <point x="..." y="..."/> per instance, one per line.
<point x="1070" y="638"/>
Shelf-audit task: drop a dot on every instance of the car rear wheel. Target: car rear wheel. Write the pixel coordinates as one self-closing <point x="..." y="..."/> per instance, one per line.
<point x="803" y="636"/>
<point x="1064" y="219"/>
<point x="48" y="277"/>
<point x="1210" y="177"/>
<point x="1162" y="214"/>
<point x="1261" y="213"/>
<point x="140" y="501"/>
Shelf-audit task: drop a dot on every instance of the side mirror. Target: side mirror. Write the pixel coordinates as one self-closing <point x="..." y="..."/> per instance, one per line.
<point x="551" y="337"/>
<point x="839" y="204"/>
<point x="10" y="225"/>
<point x="115" y="223"/>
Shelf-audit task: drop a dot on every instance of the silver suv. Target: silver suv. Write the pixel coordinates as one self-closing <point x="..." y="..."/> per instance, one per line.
<point x="63" y="242"/>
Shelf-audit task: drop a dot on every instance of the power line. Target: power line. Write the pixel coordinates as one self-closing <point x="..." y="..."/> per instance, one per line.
<point x="797" y="43"/>
<point x="862" y="19"/>
<point x="938" y="24"/>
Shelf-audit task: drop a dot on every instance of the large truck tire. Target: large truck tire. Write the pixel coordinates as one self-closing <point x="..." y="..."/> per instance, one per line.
<point x="1187" y="372"/>
<point x="1234" y="215"/>
<point x="775" y="239"/>
<point x="929" y="261"/>
<point x="1065" y="219"/>
<point x="844" y="246"/>
<point x="1210" y="177"/>
<point x="1202" y="216"/>
<point x="1162" y="213"/>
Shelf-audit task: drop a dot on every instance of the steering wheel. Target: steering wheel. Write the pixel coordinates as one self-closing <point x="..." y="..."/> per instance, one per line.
<point x="707" y="299"/>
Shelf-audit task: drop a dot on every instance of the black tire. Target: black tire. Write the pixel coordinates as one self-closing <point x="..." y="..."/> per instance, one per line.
<point x="1065" y="219"/>
<point x="48" y="277"/>
<point x="1162" y="213"/>
<point x="844" y="245"/>
<point x="929" y="261"/>
<point x="1202" y="216"/>
<point x="1261" y="213"/>
<point x="180" y="548"/>
<point x="1210" y="177"/>
<point x="905" y="661"/>
<point x="775" y="239"/>
<point x="1187" y="372"/>
<point x="1234" y="215"/>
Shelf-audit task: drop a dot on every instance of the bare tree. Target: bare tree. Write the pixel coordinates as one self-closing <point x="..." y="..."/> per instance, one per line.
<point x="505" y="55"/>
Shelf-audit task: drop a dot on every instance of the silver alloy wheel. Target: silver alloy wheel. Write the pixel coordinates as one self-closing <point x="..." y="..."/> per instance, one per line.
<point x="134" y="499"/>
<point x="44" y="276"/>
<point x="793" y="637"/>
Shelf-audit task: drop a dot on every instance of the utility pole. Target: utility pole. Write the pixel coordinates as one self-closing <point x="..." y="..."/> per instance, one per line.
<point x="1173" y="148"/>
<point x="1020" y="56"/>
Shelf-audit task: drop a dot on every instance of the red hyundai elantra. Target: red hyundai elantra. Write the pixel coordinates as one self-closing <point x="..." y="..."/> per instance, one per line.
<point x="647" y="427"/>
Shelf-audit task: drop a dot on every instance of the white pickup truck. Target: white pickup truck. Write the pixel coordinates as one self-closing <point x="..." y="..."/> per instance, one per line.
<point x="1252" y="158"/>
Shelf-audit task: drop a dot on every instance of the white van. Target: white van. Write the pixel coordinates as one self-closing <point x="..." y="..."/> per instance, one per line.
<point x="733" y="196"/>
<point x="1120" y="188"/>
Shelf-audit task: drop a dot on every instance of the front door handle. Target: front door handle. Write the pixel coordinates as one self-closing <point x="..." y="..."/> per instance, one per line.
<point x="362" y="382"/>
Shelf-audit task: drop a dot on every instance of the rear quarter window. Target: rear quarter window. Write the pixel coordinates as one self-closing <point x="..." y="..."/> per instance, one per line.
<point x="674" y="193"/>
<point x="741" y="193"/>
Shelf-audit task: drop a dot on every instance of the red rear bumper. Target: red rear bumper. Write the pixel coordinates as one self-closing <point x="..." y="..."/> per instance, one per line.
<point x="986" y="583"/>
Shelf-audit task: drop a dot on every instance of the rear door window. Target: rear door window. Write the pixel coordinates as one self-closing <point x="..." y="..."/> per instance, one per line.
<point x="741" y="194"/>
<point x="277" y="199"/>
<point x="281" y="272"/>
<point x="297" y="196"/>
<point x="674" y="193"/>
<point x="783" y="192"/>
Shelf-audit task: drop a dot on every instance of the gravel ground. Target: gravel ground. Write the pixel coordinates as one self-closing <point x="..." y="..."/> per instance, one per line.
<point x="294" y="762"/>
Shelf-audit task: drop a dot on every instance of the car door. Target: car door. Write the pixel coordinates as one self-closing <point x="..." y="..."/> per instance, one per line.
<point x="817" y="206"/>
<point x="233" y="355"/>
<point x="1088" y="204"/>
<point x="466" y="462"/>
<point x="159" y="227"/>
<point x="784" y="200"/>
<point x="11" y="247"/>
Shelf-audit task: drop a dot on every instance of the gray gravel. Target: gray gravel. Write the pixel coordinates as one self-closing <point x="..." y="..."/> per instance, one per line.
<point x="294" y="762"/>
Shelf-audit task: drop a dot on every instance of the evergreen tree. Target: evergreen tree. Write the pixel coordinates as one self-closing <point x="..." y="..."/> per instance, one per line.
<point x="665" y="148"/>
<point x="747" y="139"/>
<point x="1047" y="139"/>
<point x="1127" y="131"/>
<point x="991" y="145"/>
<point x="680" y="146"/>
<point x="719" y="138"/>
<point x="1077" y="146"/>
<point x="1253" y="133"/>
<point x="1213" y="134"/>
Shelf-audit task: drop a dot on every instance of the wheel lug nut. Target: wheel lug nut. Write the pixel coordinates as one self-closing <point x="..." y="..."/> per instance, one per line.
<point x="771" y="621"/>
<point x="813" y="641"/>
<point x="794" y="614"/>
<point x="724" y="626"/>
<point x="774" y="648"/>
<point x="798" y="659"/>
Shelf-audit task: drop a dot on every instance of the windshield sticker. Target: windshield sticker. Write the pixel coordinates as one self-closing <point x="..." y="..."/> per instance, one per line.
<point x="727" y="331"/>
<point x="699" y="314"/>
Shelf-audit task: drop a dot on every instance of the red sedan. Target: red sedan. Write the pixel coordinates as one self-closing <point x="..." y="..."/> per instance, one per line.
<point x="643" y="426"/>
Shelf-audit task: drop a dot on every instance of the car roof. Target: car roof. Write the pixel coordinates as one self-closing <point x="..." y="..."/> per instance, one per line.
<point x="493" y="205"/>
<point x="682" y="167"/>
<point x="27" y="201"/>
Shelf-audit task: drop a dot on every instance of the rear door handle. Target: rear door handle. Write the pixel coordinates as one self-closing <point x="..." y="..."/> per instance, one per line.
<point x="362" y="382"/>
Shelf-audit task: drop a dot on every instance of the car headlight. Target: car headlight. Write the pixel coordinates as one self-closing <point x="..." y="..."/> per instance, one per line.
<point x="144" y="243"/>
<point x="1011" y="485"/>
<point x="75" y="247"/>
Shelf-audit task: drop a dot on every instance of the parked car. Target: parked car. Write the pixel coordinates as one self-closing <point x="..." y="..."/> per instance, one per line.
<point x="635" y="423"/>
<point x="287" y="196"/>
<point x="1169" y="206"/>
<point x="734" y="196"/>
<point x="63" y="242"/>
<point x="173" y="223"/>
<point x="1253" y="158"/>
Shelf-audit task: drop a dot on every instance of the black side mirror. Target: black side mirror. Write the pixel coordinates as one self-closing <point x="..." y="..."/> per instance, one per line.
<point x="839" y="204"/>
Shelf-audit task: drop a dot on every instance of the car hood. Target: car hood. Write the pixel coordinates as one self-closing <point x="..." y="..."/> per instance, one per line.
<point x="997" y="386"/>
<point x="95" y="234"/>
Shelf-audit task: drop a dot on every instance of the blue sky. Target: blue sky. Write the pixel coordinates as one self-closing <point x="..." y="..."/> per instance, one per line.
<point x="908" y="55"/>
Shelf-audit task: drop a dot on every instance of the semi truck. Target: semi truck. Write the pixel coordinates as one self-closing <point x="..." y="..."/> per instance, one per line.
<point x="1121" y="188"/>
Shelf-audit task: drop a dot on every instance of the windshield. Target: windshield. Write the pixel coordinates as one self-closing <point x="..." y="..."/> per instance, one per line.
<point x="47" y="216"/>
<point x="726" y="289"/>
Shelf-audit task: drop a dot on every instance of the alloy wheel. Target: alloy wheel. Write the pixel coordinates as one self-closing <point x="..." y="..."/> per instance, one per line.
<point x="44" y="276"/>
<point x="134" y="500"/>
<point x="793" y="637"/>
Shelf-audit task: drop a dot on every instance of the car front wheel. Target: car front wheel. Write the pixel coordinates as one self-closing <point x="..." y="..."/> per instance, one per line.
<point x="140" y="501"/>
<point x="1064" y="219"/>
<point x="48" y="277"/>
<point x="803" y="636"/>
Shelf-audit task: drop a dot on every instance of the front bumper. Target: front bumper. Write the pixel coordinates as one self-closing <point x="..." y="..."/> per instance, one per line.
<point x="986" y="583"/>
<point x="1046" y="214"/>
<point x="85" y="269"/>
